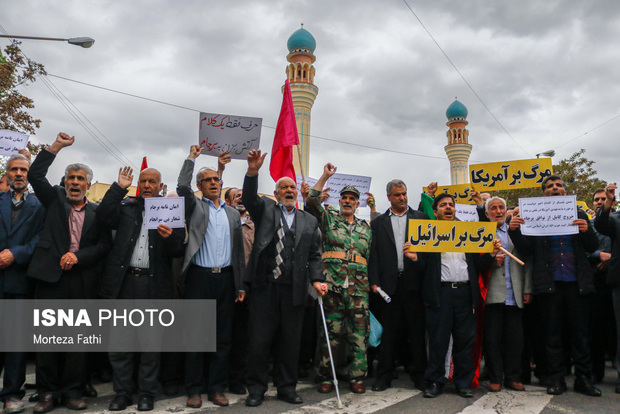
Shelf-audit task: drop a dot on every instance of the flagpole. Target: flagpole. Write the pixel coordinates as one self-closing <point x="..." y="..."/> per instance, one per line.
<point x="301" y="167"/>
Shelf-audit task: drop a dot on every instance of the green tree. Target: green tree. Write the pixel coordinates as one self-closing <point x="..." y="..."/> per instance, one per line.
<point x="579" y="178"/>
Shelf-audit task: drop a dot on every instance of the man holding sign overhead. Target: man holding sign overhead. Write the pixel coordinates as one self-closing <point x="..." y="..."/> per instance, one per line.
<point x="138" y="267"/>
<point x="212" y="269"/>
<point x="451" y="294"/>
<point x="562" y="279"/>
<point x="346" y="248"/>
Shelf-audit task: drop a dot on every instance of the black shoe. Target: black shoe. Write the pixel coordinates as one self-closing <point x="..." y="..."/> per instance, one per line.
<point x="145" y="403"/>
<point x="120" y="402"/>
<point x="170" y="388"/>
<point x="380" y="385"/>
<point x="238" y="389"/>
<point x="556" y="388"/>
<point x="254" y="400"/>
<point x="464" y="392"/>
<point x="291" y="398"/>
<point x="34" y="397"/>
<point x="89" y="391"/>
<point x="583" y="385"/>
<point x="433" y="389"/>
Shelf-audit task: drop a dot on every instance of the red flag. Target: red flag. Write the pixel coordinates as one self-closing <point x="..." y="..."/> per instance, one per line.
<point x="144" y="167"/>
<point x="286" y="136"/>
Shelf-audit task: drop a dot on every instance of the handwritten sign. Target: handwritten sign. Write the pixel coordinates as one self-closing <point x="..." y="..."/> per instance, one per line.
<point x="339" y="181"/>
<point x="510" y="174"/>
<point x="548" y="216"/>
<point x="11" y="142"/>
<point x="460" y="192"/>
<point x="451" y="236"/>
<point x="237" y="135"/>
<point x="466" y="212"/>
<point x="164" y="210"/>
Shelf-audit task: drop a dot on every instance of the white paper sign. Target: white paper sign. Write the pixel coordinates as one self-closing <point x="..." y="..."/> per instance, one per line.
<point x="164" y="210"/>
<point x="548" y="216"/>
<point x="336" y="183"/>
<point x="11" y="142"/>
<point x="236" y="135"/>
<point x="311" y="182"/>
<point x="466" y="212"/>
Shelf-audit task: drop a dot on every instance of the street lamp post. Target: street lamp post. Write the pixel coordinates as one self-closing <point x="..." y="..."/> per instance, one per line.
<point x="549" y="153"/>
<point x="78" y="41"/>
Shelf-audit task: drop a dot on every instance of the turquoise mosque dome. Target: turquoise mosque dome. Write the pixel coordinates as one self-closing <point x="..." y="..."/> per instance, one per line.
<point x="456" y="110"/>
<point x="301" y="39"/>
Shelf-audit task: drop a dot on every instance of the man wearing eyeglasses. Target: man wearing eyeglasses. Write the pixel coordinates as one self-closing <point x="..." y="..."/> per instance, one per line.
<point x="212" y="269"/>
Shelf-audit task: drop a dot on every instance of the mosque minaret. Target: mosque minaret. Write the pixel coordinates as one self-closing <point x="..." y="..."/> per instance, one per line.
<point x="300" y="74"/>
<point x="458" y="148"/>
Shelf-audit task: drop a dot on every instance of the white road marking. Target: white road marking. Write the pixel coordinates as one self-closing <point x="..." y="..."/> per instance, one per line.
<point x="369" y="402"/>
<point x="532" y="401"/>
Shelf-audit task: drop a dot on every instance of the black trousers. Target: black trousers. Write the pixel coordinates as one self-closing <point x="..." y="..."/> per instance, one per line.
<point x="568" y="306"/>
<point x="533" y="347"/>
<point x="136" y="287"/>
<point x="403" y="318"/>
<point x="239" y="350"/>
<point x="273" y="316"/>
<point x="63" y="373"/>
<point x="455" y="317"/>
<point x="603" y="326"/>
<point x="212" y="366"/>
<point x="503" y="342"/>
<point x="615" y="296"/>
<point x="14" y="365"/>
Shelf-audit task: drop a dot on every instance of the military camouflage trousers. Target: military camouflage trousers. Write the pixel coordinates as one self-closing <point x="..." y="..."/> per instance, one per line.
<point x="348" y="323"/>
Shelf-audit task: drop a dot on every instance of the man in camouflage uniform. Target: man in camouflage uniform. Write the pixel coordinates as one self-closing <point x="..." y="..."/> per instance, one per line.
<point x="346" y="247"/>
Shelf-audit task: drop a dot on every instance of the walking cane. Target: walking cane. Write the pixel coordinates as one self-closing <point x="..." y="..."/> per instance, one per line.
<point x="329" y="348"/>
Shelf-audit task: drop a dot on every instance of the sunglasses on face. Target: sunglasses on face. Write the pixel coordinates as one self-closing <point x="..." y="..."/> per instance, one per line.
<point x="208" y="179"/>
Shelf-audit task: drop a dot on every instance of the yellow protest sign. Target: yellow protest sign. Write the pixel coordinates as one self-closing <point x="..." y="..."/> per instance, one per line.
<point x="583" y="206"/>
<point x="451" y="236"/>
<point x="460" y="192"/>
<point x="510" y="175"/>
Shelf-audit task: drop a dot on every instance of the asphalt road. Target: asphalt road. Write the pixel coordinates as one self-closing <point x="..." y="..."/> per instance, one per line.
<point x="401" y="398"/>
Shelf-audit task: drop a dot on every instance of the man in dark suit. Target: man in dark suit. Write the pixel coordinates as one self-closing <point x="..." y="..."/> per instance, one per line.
<point x="66" y="266"/>
<point x="451" y="293"/>
<point x="212" y="269"/>
<point x="608" y="223"/>
<point x="562" y="280"/>
<point x="21" y="221"/>
<point x="401" y="279"/>
<point x="138" y="267"/>
<point x="286" y="255"/>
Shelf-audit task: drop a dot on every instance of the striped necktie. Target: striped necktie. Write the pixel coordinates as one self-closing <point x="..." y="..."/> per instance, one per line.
<point x="279" y="248"/>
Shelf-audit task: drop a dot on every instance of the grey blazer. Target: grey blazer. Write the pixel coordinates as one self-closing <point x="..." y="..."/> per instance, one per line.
<point x="521" y="277"/>
<point x="197" y="219"/>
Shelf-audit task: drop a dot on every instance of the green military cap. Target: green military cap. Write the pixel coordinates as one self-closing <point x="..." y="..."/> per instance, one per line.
<point x="350" y="189"/>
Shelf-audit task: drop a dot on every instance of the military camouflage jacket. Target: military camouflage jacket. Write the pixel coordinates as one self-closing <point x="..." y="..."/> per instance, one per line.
<point x="341" y="236"/>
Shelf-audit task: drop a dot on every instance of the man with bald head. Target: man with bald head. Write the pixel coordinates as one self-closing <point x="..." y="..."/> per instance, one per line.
<point x="286" y="256"/>
<point x="138" y="267"/>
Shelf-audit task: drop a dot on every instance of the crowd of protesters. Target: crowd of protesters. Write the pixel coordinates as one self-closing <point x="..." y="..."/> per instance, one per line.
<point x="265" y="260"/>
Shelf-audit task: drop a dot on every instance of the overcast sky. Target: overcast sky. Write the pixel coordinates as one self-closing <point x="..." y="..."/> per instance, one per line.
<point x="548" y="71"/>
